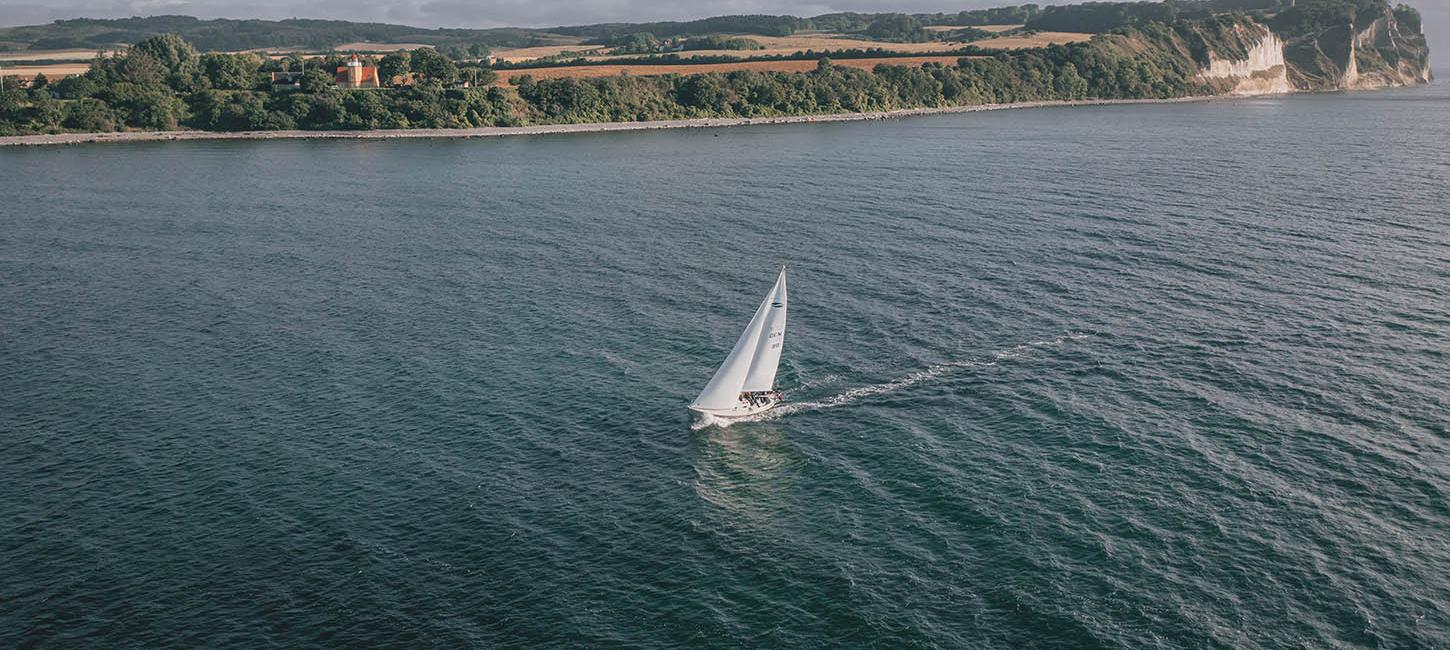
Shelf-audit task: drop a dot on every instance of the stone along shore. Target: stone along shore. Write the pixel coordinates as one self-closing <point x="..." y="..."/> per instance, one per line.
<point x="543" y="129"/>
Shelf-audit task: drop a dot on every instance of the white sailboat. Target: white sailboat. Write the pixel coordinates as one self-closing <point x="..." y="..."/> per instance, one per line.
<point x="745" y="384"/>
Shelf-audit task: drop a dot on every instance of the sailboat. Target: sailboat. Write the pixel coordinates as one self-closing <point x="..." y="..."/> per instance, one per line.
<point x="745" y="384"/>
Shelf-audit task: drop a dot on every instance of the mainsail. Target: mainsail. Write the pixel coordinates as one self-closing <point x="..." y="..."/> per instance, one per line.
<point x="753" y="361"/>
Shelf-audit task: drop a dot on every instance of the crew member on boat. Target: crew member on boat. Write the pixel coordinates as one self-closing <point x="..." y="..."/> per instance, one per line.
<point x="756" y="398"/>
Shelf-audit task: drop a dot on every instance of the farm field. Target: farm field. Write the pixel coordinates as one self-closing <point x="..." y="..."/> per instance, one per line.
<point x="995" y="29"/>
<point x="52" y="55"/>
<point x="1040" y="39"/>
<point x="53" y="71"/>
<point x="820" y="42"/>
<point x="588" y="71"/>
<point x="378" y="47"/>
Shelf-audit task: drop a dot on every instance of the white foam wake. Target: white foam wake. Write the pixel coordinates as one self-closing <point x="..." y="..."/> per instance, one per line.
<point x="920" y="376"/>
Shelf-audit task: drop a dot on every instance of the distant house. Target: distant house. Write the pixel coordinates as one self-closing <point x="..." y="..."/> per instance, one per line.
<point x="357" y="75"/>
<point x="285" y="81"/>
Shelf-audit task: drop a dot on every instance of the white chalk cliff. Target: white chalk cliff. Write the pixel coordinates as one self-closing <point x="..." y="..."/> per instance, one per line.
<point x="1262" y="72"/>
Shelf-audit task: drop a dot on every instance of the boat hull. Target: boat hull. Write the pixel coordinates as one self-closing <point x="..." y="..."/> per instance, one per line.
<point x="740" y="411"/>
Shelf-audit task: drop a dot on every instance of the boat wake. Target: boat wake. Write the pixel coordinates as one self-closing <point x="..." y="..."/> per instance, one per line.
<point x="918" y="377"/>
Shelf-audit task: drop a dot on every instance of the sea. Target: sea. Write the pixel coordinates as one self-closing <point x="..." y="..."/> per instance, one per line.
<point x="1147" y="376"/>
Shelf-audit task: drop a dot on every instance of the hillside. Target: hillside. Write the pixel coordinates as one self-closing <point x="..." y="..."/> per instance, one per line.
<point x="234" y="35"/>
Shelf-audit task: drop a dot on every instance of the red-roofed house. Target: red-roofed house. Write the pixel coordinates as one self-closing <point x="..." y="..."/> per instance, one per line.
<point x="357" y="75"/>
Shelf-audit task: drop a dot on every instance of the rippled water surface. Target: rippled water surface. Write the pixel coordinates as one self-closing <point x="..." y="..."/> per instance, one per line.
<point x="1136" y="376"/>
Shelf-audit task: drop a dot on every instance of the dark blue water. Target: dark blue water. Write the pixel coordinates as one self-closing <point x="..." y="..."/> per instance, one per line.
<point x="1120" y="377"/>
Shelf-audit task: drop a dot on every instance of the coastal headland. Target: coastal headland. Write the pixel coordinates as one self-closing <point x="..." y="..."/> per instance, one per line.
<point x="188" y="82"/>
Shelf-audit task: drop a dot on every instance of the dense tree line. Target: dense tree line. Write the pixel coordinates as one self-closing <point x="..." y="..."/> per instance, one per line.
<point x="1071" y="72"/>
<point x="751" y="24"/>
<point x="162" y="83"/>
<point x="1017" y="15"/>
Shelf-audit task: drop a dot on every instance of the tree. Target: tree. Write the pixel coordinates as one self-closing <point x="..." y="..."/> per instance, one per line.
<point x="176" y="59"/>
<point x="477" y="76"/>
<point x="237" y="111"/>
<point x="392" y="65"/>
<point x="172" y="53"/>
<point x="140" y="68"/>
<point x="315" y="81"/>
<point x="704" y="91"/>
<point x="46" y="113"/>
<point x="146" y="107"/>
<point x="39" y="82"/>
<point x="636" y="43"/>
<point x="77" y="87"/>
<point x="324" y="111"/>
<point x="899" y="27"/>
<point x="89" y="115"/>
<point x="231" y="71"/>
<point x="429" y="63"/>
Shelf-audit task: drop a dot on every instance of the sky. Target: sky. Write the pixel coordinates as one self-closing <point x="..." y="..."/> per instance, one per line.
<point x="541" y="13"/>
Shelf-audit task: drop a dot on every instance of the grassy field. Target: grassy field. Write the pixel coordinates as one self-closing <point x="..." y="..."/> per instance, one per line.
<point x="585" y="71"/>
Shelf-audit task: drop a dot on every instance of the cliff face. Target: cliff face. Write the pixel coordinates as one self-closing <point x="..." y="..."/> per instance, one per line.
<point x="1376" y="50"/>
<point x="1303" y="48"/>
<point x="1261" y="70"/>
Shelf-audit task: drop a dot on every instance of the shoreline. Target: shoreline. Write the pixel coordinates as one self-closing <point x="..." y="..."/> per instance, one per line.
<point x="551" y="129"/>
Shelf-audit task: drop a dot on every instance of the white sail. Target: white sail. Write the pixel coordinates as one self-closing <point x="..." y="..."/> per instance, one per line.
<point x="723" y="391"/>
<point x="772" y="339"/>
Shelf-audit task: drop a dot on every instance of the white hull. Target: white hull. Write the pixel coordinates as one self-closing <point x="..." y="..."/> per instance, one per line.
<point x="741" y="410"/>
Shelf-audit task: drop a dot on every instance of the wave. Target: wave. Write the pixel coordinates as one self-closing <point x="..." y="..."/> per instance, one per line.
<point x="863" y="392"/>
